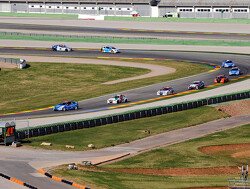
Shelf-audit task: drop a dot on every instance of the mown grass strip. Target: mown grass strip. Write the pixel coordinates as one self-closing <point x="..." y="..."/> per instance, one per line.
<point x="130" y="41"/>
<point x="123" y="132"/>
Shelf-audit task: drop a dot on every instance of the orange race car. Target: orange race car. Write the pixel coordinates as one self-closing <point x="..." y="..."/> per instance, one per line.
<point x="221" y="79"/>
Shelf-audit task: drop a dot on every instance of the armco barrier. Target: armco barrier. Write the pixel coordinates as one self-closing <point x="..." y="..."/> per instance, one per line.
<point x="80" y="124"/>
<point x="19" y="62"/>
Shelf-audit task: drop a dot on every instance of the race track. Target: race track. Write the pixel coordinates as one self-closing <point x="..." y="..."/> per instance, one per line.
<point x="143" y="93"/>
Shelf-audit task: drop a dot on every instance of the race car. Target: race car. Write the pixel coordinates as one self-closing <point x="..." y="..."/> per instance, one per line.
<point x="227" y="64"/>
<point x="66" y="105"/>
<point x="118" y="98"/>
<point x="196" y="85"/>
<point x="165" y="91"/>
<point x="221" y="79"/>
<point x="235" y="71"/>
<point x="61" y="48"/>
<point x="109" y="49"/>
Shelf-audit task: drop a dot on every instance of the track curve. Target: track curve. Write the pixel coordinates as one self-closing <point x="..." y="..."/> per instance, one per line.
<point x="143" y="93"/>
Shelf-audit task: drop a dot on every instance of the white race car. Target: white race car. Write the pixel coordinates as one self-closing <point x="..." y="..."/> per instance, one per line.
<point x="61" y="48"/>
<point x="118" y="98"/>
<point x="165" y="91"/>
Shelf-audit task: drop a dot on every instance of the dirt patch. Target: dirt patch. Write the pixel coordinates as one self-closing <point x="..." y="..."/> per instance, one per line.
<point x="7" y="65"/>
<point x="182" y="171"/>
<point x="210" y="150"/>
<point x="241" y="154"/>
<point x="236" y="108"/>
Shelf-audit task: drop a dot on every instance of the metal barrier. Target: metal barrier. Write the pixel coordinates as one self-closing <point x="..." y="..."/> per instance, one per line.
<point x="80" y="124"/>
<point x="19" y="62"/>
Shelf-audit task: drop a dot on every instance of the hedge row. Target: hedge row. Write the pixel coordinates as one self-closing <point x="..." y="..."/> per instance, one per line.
<point x="80" y="124"/>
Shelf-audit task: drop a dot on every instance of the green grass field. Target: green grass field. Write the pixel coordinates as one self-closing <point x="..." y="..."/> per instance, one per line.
<point x="128" y="40"/>
<point x="46" y="84"/>
<point x="128" y="131"/>
<point x="182" y="155"/>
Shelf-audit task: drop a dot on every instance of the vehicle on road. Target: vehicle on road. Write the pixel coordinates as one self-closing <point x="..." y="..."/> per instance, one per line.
<point x="61" y="48"/>
<point x="118" y="98"/>
<point x="171" y="15"/>
<point x="165" y="91"/>
<point x="109" y="49"/>
<point x="197" y="85"/>
<point x="235" y="71"/>
<point x="221" y="79"/>
<point x="66" y="105"/>
<point x="227" y="64"/>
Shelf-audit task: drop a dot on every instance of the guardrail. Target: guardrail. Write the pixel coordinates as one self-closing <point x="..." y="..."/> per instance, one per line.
<point x="21" y="63"/>
<point x="126" y="116"/>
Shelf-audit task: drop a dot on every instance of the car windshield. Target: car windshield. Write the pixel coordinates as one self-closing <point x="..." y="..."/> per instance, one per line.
<point x="116" y="96"/>
<point x="196" y="82"/>
<point x="165" y="88"/>
<point x="112" y="47"/>
<point x="229" y="61"/>
<point x="235" y="69"/>
<point x="63" y="103"/>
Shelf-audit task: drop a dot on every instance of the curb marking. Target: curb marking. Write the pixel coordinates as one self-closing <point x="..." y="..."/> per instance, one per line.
<point x="17" y="181"/>
<point x="62" y="180"/>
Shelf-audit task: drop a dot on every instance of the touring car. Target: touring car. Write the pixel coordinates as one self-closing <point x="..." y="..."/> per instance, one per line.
<point x="221" y="79"/>
<point x="165" y="91"/>
<point x="118" y="98"/>
<point x="197" y="85"/>
<point x="235" y="71"/>
<point x="66" y="105"/>
<point x="227" y="64"/>
<point x="61" y="48"/>
<point x="109" y="49"/>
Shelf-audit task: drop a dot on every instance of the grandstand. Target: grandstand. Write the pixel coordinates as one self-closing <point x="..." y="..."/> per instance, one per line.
<point x="149" y="8"/>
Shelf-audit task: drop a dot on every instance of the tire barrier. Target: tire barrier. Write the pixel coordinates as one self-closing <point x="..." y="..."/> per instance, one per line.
<point x="61" y="127"/>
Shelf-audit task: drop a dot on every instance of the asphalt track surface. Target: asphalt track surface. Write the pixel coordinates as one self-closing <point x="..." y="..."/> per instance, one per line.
<point x="141" y="33"/>
<point x="139" y="94"/>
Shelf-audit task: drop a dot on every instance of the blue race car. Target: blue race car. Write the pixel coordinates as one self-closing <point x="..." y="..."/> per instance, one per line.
<point x="61" y="48"/>
<point x="109" y="49"/>
<point x="235" y="71"/>
<point x="227" y="64"/>
<point x="66" y="105"/>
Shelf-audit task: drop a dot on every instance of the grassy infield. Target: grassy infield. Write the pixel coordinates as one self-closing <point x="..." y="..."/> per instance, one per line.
<point x="185" y="155"/>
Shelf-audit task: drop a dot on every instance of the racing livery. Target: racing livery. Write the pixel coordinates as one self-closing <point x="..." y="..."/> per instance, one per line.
<point x="66" y="105"/>
<point x="221" y="79"/>
<point x="196" y="85"/>
<point x="109" y="49"/>
<point x="61" y="48"/>
<point x="235" y="71"/>
<point x="165" y="91"/>
<point x="118" y="98"/>
<point x="227" y="64"/>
